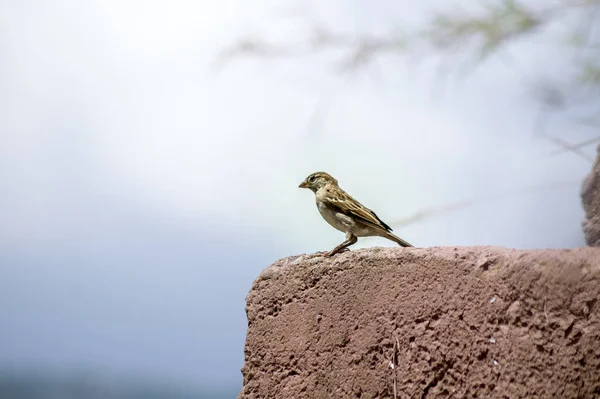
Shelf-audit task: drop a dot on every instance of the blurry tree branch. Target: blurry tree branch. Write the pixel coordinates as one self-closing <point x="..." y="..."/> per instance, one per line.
<point x="360" y="49"/>
<point x="480" y="35"/>
<point x="573" y="147"/>
<point x="460" y="205"/>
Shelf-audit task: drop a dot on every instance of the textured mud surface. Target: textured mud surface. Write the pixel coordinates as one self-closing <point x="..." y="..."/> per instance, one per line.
<point x="435" y="322"/>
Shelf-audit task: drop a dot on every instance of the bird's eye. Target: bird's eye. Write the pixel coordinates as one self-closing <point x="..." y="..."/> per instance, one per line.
<point x="312" y="179"/>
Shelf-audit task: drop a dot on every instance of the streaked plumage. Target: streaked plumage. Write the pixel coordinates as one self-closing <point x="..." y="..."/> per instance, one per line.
<point x="345" y="213"/>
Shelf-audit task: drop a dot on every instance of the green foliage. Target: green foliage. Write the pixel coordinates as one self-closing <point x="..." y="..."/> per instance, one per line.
<point x="495" y="27"/>
<point x="590" y="74"/>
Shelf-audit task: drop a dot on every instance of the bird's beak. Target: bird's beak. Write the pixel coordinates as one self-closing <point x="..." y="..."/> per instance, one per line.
<point x="303" y="184"/>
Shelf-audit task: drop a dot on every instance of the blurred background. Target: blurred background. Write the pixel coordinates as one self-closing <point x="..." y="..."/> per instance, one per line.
<point x="151" y="151"/>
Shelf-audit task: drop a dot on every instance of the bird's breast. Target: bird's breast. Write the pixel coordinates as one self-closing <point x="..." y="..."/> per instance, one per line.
<point x="332" y="217"/>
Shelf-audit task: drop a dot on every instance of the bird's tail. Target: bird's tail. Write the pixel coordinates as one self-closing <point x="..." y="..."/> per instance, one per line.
<point x="397" y="239"/>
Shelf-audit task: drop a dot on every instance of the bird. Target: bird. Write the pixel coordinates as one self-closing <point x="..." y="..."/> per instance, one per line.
<point x="345" y="213"/>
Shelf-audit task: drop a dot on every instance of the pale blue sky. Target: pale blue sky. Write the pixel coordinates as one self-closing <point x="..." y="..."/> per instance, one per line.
<point x="143" y="193"/>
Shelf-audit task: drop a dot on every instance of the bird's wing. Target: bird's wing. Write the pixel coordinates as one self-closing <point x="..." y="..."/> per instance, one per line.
<point x="347" y="205"/>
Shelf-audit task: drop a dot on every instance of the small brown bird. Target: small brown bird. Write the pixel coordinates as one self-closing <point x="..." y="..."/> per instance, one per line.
<point x="345" y="213"/>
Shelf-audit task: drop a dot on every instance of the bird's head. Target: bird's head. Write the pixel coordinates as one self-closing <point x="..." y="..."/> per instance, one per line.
<point x="317" y="180"/>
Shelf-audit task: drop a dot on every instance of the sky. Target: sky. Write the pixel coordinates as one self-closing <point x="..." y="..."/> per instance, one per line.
<point x="143" y="189"/>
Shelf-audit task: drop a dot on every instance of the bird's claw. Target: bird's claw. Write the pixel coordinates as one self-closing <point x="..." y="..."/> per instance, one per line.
<point x="334" y="251"/>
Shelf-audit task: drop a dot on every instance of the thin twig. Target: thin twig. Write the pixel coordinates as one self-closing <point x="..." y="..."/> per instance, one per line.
<point x="568" y="147"/>
<point x="579" y="145"/>
<point x="441" y="210"/>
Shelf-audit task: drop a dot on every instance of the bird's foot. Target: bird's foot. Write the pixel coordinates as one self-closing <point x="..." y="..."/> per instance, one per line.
<point x="336" y="251"/>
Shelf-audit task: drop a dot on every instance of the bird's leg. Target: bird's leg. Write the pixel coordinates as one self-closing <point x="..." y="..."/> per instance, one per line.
<point x="350" y="239"/>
